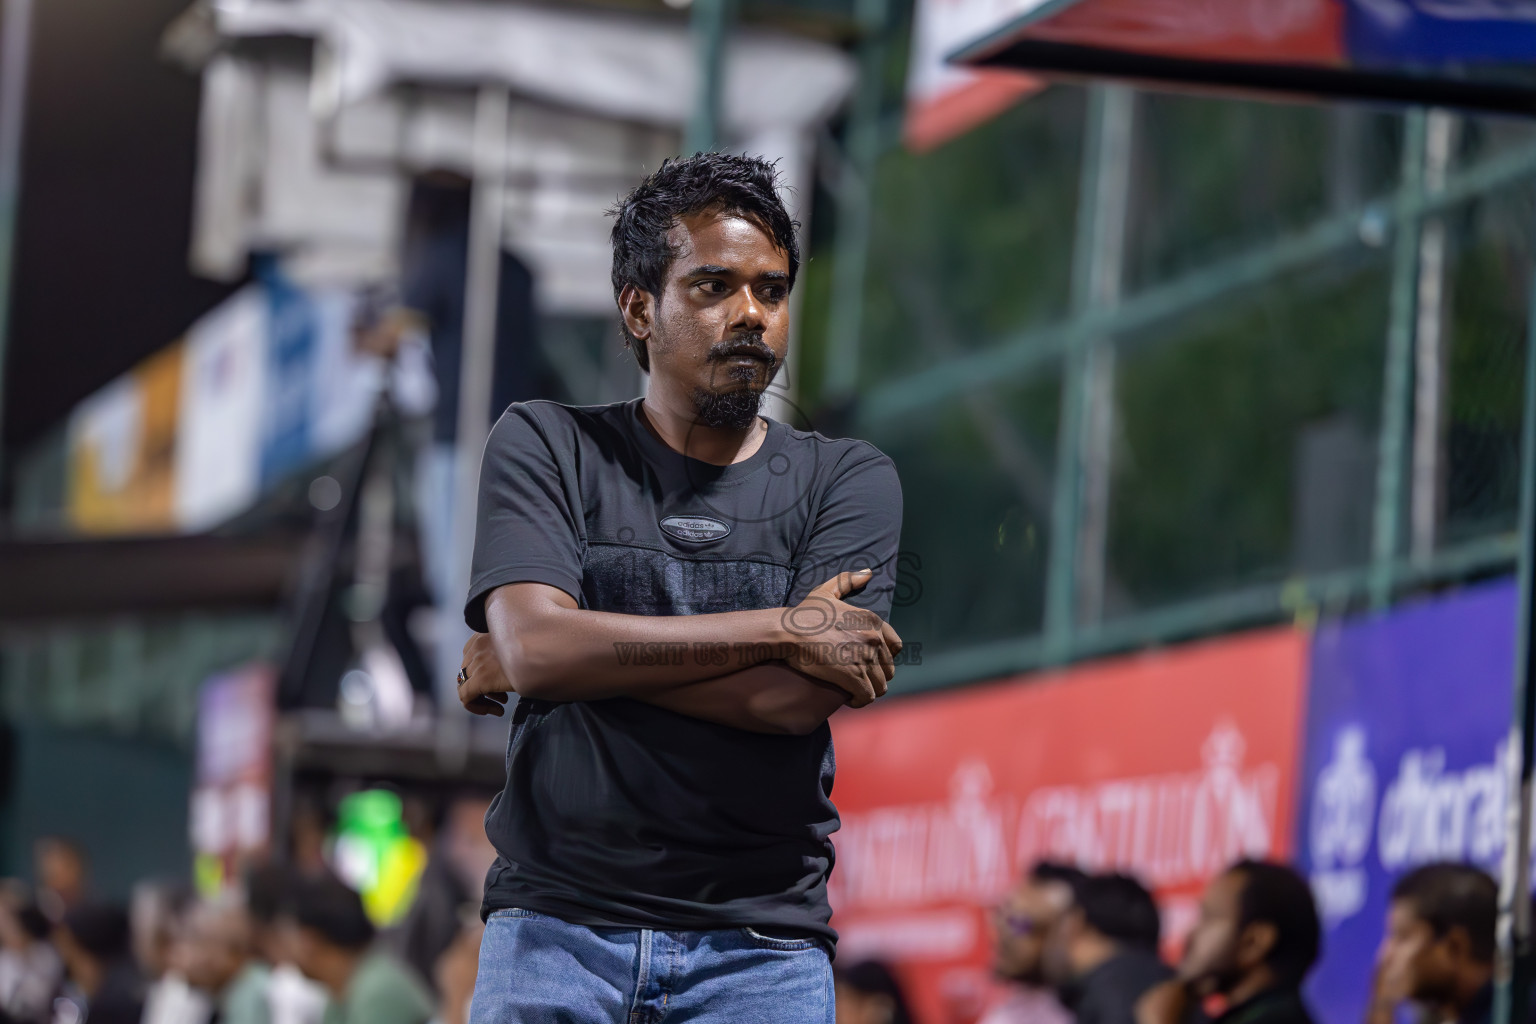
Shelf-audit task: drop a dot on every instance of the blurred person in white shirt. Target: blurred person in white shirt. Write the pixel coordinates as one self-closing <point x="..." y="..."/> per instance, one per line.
<point x="291" y="997"/>
<point x="157" y="916"/>
<point x="1021" y="923"/>
<point x="31" y="972"/>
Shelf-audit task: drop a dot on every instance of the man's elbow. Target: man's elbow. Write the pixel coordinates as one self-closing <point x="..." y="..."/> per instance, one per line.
<point x="531" y="673"/>
<point x="535" y="689"/>
<point x="530" y="642"/>
<point x="792" y="720"/>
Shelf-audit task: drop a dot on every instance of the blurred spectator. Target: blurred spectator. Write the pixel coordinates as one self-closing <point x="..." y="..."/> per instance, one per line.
<point x="868" y="993"/>
<point x="93" y="941"/>
<point x="332" y="937"/>
<point x="223" y="963"/>
<point x="155" y="913"/>
<point x="458" y="858"/>
<point x="1257" y="936"/>
<point x="157" y="917"/>
<point x="1022" y="922"/>
<point x="62" y="874"/>
<point x="434" y="275"/>
<point x="291" y="997"/>
<point x="309" y="824"/>
<point x="457" y="969"/>
<point x="1439" y="944"/>
<point x="1102" y="955"/>
<point x="30" y="969"/>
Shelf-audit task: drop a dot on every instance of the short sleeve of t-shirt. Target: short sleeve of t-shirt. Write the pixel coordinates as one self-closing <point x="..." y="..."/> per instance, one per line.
<point x="526" y="528"/>
<point x="857" y="526"/>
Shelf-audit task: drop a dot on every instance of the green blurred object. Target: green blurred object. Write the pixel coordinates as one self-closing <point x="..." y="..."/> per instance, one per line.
<point x="375" y="853"/>
<point x="372" y="813"/>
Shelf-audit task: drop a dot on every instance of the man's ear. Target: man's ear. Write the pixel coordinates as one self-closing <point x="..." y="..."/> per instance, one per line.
<point x="1256" y="942"/>
<point x="1458" y="943"/>
<point x="637" y="306"/>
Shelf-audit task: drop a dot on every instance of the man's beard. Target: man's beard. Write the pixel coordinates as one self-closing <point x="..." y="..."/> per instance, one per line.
<point x="1219" y="979"/>
<point x="1033" y="976"/>
<point x="735" y="409"/>
<point x="727" y="410"/>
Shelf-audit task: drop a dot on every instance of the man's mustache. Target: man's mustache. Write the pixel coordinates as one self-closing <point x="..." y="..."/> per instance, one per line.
<point x="746" y="345"/>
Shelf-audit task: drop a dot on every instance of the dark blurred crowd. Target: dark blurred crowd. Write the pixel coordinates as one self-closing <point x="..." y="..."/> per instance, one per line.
<point x="1072" y="948"/>
<point x="281" y="945"/>
<point x="294" y="945"/>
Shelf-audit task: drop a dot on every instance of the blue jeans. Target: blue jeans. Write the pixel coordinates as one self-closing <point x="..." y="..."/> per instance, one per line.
<point x="536" y="969"/>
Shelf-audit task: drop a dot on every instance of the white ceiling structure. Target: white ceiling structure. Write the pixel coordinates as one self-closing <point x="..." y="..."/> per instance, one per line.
<point x="315" y="159"/>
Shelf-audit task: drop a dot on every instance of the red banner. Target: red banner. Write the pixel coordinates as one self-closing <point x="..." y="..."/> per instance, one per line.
<point x="1167" y="765"/>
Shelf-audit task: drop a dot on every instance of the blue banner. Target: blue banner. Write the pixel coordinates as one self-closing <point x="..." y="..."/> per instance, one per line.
<point x="291" y="347"/>
<point x="1405" y="763"/>
<point x="1391" y="33"/>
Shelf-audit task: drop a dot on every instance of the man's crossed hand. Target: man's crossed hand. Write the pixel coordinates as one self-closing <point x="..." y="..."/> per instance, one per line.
<point x="823" y="637"/>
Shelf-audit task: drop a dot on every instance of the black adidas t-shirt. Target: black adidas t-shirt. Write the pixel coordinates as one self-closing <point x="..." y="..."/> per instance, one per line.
<point x="618" y="813"/>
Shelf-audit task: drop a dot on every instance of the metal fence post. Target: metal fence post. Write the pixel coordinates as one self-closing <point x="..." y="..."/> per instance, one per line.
<point x="1513" y="973"/>
<point x="476" y="371"/>
<point x="855" y="200"/>
<point x="711" y="24"/>
<point x="1425" y="490"/>
<point x="1079" y="503"/>
<point x="1397" y="387"/>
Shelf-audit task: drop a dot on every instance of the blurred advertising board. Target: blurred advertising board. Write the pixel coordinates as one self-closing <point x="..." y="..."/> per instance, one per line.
<point x="1406" y="762"/>
<point x="121" y="445"/>
<point x="264" y="384"/>
<point x="290" y="353"/>
<point x="320" y="391"/>
<point x="1167" y="765"/>
<point x="232" y="795"/>
<point x="219" y="434"/>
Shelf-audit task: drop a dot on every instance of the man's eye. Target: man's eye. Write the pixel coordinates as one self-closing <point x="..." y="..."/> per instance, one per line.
<point x="774" y="294"/>
<point x="713" y="287"/>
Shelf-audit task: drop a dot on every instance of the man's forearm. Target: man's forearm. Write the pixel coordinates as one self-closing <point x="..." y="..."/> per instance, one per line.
<point x="767" y="698"/>
<point x="565" y="653"/>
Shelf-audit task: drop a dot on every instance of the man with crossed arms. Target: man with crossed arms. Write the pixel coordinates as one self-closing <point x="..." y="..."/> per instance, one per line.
<point x="681" y="592"/>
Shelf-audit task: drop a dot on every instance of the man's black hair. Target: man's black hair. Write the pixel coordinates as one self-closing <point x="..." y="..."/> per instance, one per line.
<point x="1278" y="895"/>
<point x="174" y="895"/>
<point x="1121" y="909"/>
<point x="743" y="185"/>
<point x="33" y="921"/>
<point x="872" y="977"/>
<point x="328" y="906"/>
<point x="1045" y="872"/>
<point x="269" y="889"/>
<point x="1447" y="896"/>
<point x="101" y="929"/>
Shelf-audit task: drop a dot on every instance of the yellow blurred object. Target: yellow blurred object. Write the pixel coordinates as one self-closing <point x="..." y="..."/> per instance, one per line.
<point x="401" y="863"/>
<point x="122" y="450"/>
<point x="208" y="874"/>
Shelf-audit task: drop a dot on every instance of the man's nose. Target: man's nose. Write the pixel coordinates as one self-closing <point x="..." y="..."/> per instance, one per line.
<point x="749" y="311"/>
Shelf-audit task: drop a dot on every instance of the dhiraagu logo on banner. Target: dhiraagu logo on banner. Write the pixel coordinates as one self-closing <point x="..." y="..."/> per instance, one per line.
<point x="1406" y="763"/>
